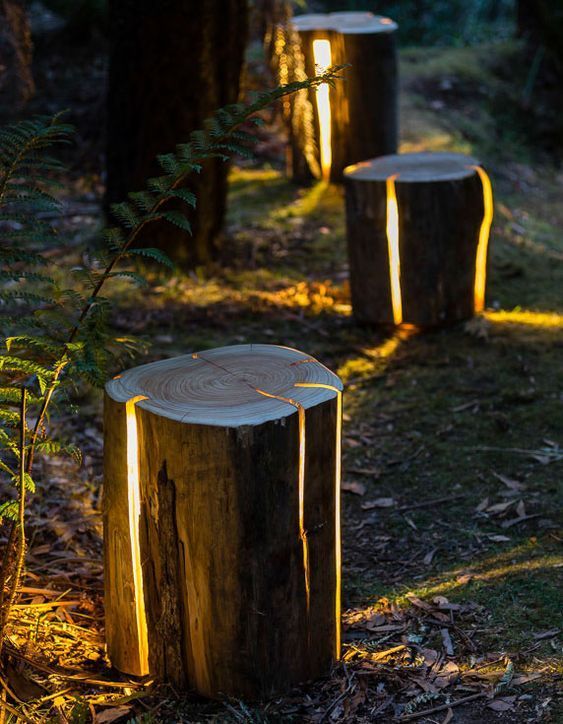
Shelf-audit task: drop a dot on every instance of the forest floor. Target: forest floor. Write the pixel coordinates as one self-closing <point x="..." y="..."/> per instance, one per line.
<point x="453" y="448"/>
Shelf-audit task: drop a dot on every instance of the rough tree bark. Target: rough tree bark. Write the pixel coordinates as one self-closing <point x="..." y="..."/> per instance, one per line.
<point x="172" y="64"/>
<point x="364" y="105"/>
<point x="221" y="520"/>
<point x="16" y="53"/>
<point x="420" y="259"/>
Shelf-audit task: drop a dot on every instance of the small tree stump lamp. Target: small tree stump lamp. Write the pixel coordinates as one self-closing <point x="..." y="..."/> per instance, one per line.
<point x="357" y="118"/>
<point x="418" y="231"/>
<point x="222" y="520"/>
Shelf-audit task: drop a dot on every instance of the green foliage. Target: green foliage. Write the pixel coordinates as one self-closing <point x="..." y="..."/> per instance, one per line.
<point x="439" y="22"/>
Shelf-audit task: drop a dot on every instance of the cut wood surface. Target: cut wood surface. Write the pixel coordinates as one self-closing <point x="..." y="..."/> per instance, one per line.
<point x="418" y="227"/>
<point x="363" y="119"/>
<point x="222" y="533"/>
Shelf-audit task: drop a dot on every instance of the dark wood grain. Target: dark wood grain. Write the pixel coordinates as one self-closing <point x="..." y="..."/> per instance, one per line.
<point x="364" y="104"/>
<point x="441" y="208"/>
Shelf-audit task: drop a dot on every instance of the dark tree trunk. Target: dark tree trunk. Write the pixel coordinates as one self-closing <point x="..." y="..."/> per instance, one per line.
<point x="172" y="64"/>
<point x="363" y="106"/>
<point x="540" y="22"/>
<point x="16" y="53"/>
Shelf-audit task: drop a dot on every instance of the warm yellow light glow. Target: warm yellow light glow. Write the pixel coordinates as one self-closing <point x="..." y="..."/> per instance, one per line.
<point x="372" y="359"/>
<point x="301" y="489"/>
<point x="337" y="509"/>
<point x="134" y="506"/>
<point x="393" y="247"/>
<point x="548" y="320"/>
<point x="385" y="349"/>
<point x="484" y="232"/>
<point x="322" y="57"/>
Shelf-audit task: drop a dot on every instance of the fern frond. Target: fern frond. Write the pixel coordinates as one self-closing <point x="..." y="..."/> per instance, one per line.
<point x="154" y="254"/>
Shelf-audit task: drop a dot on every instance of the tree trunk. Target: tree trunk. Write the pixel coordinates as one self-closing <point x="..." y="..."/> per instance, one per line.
<point x="364" y="105"/>
<point x="418" y="227"/>
<point x="540" y="23"/>
<point x="221" y="520"/>
<point x="172" y="64"/>
<point x="16" y="53"/>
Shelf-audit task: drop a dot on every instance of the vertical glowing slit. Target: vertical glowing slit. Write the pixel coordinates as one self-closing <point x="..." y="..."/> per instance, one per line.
<point x="134" y="508"/>
<point x="301" y="478"/>
<point x="393" y="249"/>
<point x="337" y="514"/>
<point x="484" y="232"/>
<point x="322" y="58"/>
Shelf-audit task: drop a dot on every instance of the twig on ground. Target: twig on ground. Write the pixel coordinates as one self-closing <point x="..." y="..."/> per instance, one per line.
<point x="442" y="707"/>
<point x="429" y="503"/>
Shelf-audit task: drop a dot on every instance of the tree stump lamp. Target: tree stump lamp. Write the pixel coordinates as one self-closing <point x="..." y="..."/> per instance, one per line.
<point x="358" y="117"/>
<point x="418" y="230"/>
<point x="222" y="520"/>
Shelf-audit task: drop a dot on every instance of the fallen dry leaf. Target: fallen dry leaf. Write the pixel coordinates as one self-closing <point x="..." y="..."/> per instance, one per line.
<point x="110" y="715"/>
<point x="502" y="703"/>
<point x="546" y="634"/>
<point x="509" y="482"/>
<point x="498" y="508"/>
<point x="386" y="628"/>
<point x="351" y="486"/>
<point x="419" y="603"/>
<point x="443" y="603"/>
<point x="517" y="521"/>
<point x="373" y="472"/>
<point x="447" y="641"/>
<point x="427" y="560"/>
<point x="525" y="678"/>
<point x="446" y="675"/>
<point x="378" y="503"/>
<point x="482" y="505"/>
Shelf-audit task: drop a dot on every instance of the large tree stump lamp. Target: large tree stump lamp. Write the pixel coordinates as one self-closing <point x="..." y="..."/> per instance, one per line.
<point x="358" y="117"/>
<point x="222" y="520"/>
<point x="418" y="230"/>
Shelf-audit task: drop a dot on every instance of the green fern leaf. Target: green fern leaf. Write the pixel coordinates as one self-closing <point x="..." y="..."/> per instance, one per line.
<point x="155" y="254"/>
<point x="178" y="219"/>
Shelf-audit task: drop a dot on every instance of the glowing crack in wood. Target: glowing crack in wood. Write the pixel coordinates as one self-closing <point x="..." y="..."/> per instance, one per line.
<point x="134" y="509"/>
<point x="484" y="233"/>
<point x="301" y="485"/>
<point x="322" y="57"/>
<point x="392" y="229"/>
<point x="337" y="513"/>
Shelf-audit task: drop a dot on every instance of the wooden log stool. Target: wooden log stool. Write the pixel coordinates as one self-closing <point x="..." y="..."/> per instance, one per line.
<point x="418" y="230"/>
<point x="358" y="117"/>
<point x="222" y="520"/>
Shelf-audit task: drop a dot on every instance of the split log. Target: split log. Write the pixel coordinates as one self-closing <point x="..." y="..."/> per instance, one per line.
<point x="222" y="520"/>
<point x="418" y="229"/>
<point x="362" y="120"/>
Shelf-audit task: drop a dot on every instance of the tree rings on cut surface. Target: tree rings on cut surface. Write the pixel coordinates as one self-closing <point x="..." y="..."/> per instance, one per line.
<point x="221" y="520"/>
<point x="418" y="229"/>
